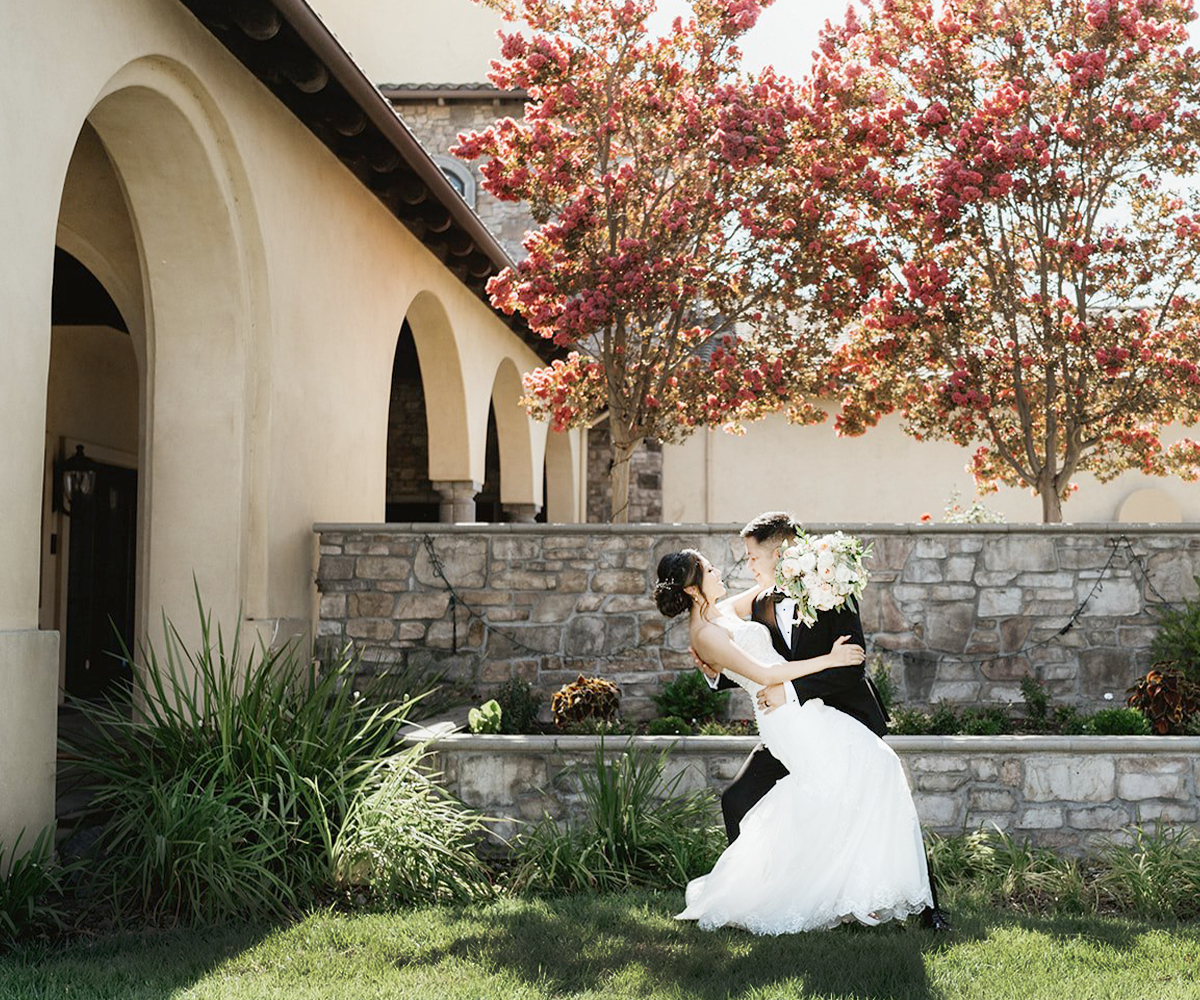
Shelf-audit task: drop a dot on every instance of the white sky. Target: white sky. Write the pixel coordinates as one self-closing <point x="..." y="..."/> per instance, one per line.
<point x="784" y="36"/>
<point x="786" y="33"/>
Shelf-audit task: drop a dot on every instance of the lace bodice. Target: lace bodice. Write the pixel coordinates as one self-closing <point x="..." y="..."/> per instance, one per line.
<point x="754" y="638"/>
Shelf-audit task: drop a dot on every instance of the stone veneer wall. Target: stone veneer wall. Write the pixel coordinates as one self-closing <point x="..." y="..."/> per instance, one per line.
<point x="1064" y="792"/>
<point x="959" y="614"/>
<point x="645" y="479"/>
<point x="437" y="126"/>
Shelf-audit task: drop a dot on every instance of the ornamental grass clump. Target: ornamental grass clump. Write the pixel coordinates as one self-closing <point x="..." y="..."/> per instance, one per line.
<point x="636" y="830"/>
<point x="248" y="783"/>
<point x="31" y="885"/>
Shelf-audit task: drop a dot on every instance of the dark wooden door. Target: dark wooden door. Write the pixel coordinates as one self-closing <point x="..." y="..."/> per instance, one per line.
<point x="100" y="585"/>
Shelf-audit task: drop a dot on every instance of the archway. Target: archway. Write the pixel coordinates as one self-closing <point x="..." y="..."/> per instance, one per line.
<point x="89" y="540"/>
<point x="520" y="442"/>
<point x="455" y="457"/>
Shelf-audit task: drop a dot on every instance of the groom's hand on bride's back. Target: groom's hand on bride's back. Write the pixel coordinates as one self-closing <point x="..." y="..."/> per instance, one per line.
<point x="709" y="671"/>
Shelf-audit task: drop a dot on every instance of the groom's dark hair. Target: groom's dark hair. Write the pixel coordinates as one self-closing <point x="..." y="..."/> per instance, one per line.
<point x="773" y="526"/>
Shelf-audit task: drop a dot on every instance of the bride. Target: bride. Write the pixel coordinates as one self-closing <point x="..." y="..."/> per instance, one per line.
<point x="835" y="840"/>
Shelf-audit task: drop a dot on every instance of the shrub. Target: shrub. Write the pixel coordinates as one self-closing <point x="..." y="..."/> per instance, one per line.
<point x="487" y="718"/>
<point x="1036" y="697"/>
<point x="1166" y="698"/>
<point x="519" y="706"/>
<point x="735" y="727"/>
<point x="587" y="699"/>
<point x="668" y="725"/>
<point x="1068" y="720"/>
<point x="1178" y="637"/>
<point x="910" y="722"/>
<point x="636" y="831"/>
<point x="1116" y="722"/>
<point x="690" y="697"/>
<point x="30" y="884"/>
<point x="943" y="720"/>
<point x="230" y="788"/>
<point x="984" y="722"/>
<point x="885" y="686"/>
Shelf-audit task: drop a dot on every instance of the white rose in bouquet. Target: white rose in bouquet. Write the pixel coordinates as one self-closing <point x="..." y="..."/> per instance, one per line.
<point x="822" y="573"/>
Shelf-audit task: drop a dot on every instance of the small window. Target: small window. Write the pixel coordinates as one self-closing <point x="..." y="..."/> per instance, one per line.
<point x="459" y="176"/>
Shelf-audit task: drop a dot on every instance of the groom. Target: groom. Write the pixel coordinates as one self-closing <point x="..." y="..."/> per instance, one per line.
<point x="845" y="688"/>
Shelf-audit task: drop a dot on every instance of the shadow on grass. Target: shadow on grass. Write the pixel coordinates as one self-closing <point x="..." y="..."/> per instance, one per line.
<point x="636" y="949"/>
<point x="132" y="965"/>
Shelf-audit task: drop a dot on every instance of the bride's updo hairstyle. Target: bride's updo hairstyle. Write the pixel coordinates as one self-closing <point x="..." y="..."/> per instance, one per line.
<point x="677" y="570"/>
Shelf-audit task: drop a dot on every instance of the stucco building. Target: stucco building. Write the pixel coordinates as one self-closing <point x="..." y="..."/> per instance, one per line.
<point x="229" y="270"/>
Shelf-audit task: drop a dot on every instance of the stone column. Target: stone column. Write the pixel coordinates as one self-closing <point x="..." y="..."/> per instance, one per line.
<point x="522" y="513"/>
<point x="458" y="500"/>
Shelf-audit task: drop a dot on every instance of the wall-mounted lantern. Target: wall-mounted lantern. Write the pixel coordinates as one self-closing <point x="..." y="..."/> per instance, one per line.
<point x="74" y="480"/>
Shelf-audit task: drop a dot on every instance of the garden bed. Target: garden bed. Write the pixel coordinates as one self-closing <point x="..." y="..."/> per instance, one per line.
<point x="1069" y="792"/>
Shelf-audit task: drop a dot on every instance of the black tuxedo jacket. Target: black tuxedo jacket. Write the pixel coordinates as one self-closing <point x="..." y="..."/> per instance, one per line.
<point x="845" y="688"/>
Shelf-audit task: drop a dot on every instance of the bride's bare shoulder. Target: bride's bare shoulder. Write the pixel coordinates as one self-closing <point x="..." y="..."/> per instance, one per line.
<point x="709" y="633"/>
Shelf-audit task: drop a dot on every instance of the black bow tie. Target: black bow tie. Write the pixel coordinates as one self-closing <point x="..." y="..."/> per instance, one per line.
<point x="775" y="596"/>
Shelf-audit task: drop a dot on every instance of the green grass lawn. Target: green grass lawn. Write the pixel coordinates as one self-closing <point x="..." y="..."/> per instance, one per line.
<point x="619" y="946"/>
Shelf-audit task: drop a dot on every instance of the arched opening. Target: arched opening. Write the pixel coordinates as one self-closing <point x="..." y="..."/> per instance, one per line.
<point x="410" y="494"/>
<point x="89" y="537"/>
<point x="518" y="441"/>
<point x="454" y="452"/>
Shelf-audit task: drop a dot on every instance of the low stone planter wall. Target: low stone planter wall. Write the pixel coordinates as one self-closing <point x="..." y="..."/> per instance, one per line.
<point x="960" y="613"/>
<point x="1063" y="792"/>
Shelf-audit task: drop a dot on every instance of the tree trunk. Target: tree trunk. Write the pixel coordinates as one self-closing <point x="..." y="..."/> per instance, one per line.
<point x="623" y="450"/>
<point x="1051" y="505"/>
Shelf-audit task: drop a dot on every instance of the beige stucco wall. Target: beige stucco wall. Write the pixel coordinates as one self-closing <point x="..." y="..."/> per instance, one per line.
<point x="883" y="476"/>
<point x="264" y="288"/>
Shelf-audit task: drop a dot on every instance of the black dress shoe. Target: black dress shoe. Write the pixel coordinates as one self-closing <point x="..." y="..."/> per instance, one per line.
<point x="935" y="920"/>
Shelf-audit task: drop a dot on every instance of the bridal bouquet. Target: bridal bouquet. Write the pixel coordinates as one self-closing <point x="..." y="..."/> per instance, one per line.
<point x="822" y="573"/>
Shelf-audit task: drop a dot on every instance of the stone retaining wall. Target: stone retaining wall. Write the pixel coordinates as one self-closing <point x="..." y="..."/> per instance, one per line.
<point x="1064" y="792"/>
<point x="960" y="614"/>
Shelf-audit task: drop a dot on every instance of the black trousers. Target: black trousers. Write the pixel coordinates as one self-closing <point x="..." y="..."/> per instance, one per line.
<point x="754" y="779"/>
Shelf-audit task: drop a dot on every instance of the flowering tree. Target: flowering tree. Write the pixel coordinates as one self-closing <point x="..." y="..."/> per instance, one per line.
<point x="1020" y="168"/>
<point x="663" y="263"/>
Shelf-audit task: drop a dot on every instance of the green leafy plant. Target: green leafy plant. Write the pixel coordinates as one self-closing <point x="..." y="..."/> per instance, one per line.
<point x="1166" y="698"/>
<point x="228" y="788"/>
<point x="405" y="840"/>
<point x="1068" y="720"/>
<point x="984" y="722"/>
<point x="944" y="720"/>
<point x="1156" y="875"/>
<point x="519" y="706"/>
<point x="881" y="674"/>
<point x="636" y="831"/>
<point x="910" y="722"/>
<point x="734" y="727"/>
<point x="487" y="718"/>
<point x="1036" y="697"/>
<point x="30" y="887"/>
<point x="689" y="697"/>
<point x="1117" y="722"/>
<point x="668" y="725"/>
<point x="1177" y="640"/>
<point x="584" y="700"/>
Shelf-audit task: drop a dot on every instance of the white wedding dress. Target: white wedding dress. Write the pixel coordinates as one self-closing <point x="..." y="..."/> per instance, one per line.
<point x="836" y="840"/>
